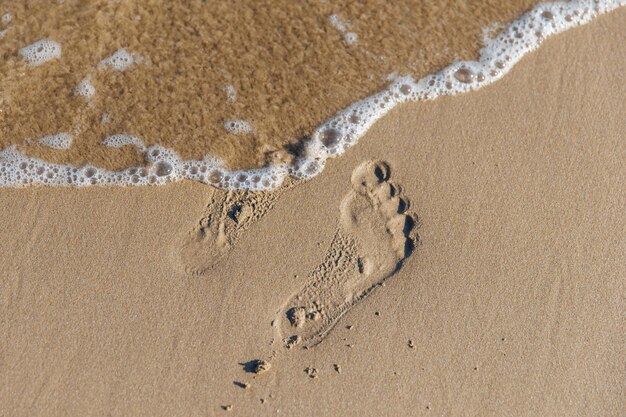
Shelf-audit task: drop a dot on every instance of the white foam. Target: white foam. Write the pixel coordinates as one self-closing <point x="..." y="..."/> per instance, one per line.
<point x="350" y="38"/>
<point x="3" y="32"/>
<point x="490" y="31"/>
<point x="41" y="52"/>
<point x="59" y="141"/>
<point x="498" y="56"/>
<point x="231" y="93"/>
<point x="85" y="89"/>
<point x="6" y="18"/>
<point x="105" y="118"/>
<point x="121" y="60"/>
<point x="122" y="139"/>
<point x="337" y="23"/>
<point x="333" y="137"/>
<point x="238" y="127"/>
<point x="164" y="166"/>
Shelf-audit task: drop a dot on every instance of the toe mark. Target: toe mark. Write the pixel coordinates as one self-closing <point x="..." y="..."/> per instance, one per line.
<point x="403" y="205"/>
<point x="382" y="171"/>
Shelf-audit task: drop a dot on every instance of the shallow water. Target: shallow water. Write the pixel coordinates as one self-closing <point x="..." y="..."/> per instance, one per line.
<point x="189" y="82"/>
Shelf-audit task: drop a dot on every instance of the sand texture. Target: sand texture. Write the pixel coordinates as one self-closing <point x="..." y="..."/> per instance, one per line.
<point x="465" y="259"/>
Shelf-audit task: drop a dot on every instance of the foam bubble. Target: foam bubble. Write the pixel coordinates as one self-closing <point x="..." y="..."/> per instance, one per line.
<point x="59" y="141"/>
<point x="164" y="166"/>
<point x="85" y="89"/>
<point x="122" y="139"/>
<point x="238" y="127"/>
<point x="337" y="23"/>
<point x="121" y="60"/>
<point x="334" y="136"/>
<point x="6" y="18"/>
<point x="41" y="52"/>
<point x="231" y="93"/>
<point x="350" y="38"/>
<point x="490" y="31"/>
<point x="3" y="32"/>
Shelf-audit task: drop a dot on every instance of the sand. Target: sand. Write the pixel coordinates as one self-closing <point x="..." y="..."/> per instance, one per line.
<point x="512" y="298"/>
<point x="289" y="66"/>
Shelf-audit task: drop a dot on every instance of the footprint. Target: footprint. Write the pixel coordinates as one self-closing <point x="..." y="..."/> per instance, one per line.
<point x="225" y="219"/>
<point x="375" y="234"/>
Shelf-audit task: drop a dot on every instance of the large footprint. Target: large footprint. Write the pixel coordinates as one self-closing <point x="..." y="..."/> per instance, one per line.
<point x="374" y="236"/>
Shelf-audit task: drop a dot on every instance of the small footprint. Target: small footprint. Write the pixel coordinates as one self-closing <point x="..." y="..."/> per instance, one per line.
<point x="375" y="234"/>
<point x="226" y="217"/>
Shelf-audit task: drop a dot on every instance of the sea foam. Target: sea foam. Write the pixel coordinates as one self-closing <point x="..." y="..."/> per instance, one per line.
<point x="121" y="60"/>
<point x="238" y="127"/>
<point x="85" y="89"/>
<point x="58" y="141"/>
<point x="231" y="92"/>
<point x="334" y="136"/>
<point x="350" y="38"/>
<point x="120" y="140"/>
<point x="41" y="52"/>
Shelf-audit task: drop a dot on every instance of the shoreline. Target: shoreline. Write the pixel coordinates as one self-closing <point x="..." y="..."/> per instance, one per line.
<point x="333" y="136"/>
<point x="199" y="47"/>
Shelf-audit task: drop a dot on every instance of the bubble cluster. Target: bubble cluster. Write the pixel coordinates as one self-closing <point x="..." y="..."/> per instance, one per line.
<point x="85" y="89"/>
<point x="121" y="60"/>
<point x="238" y="127"/>
<point x="41" y="52"/>
<point x="122" y="139"/>
<point x="163" y="166"/>
<point x="332" y="138"/>
<point x="59" y="141"/>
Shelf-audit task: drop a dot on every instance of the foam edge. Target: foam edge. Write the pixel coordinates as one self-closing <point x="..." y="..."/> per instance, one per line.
<point x="334" y="136"/>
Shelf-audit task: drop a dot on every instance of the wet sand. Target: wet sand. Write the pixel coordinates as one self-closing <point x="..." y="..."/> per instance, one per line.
<point x="289" y="66"/>
<point x="512" y="299"/>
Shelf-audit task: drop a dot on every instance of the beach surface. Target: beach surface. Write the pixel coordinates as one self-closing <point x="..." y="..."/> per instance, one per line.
<point x="511" y="302"/>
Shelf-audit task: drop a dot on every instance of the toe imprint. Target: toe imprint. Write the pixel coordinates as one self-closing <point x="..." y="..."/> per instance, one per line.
<point x="372" y="239"/>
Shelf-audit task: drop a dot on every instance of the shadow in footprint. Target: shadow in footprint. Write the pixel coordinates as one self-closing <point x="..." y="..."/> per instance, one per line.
<point x="376" y="232"/>
<point x="226" y="218"/>
<point x="256" y="366"/>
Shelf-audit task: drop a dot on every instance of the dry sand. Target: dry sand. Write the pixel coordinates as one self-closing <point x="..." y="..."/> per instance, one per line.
<point x="512" y="301"/>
